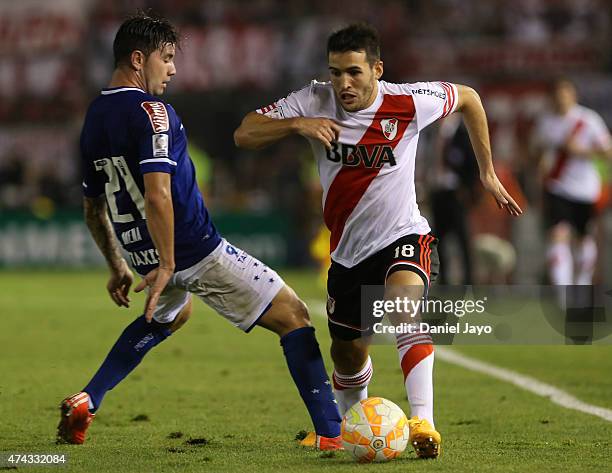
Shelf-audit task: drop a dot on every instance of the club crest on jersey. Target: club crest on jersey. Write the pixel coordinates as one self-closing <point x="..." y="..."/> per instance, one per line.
<point x="389" y="127"/>
<point x="158" y="116"/>
<point x="331" y="305"/>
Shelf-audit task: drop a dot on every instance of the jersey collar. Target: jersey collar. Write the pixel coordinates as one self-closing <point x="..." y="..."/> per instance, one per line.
<point x="114" y="90"/>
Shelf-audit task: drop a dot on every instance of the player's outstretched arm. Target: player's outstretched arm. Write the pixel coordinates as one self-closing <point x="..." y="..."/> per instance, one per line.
<point x="258" y="131"/>
<point x="475" y="120"/>
<point x="96" y="218"/>
<point x="160" y="223"/>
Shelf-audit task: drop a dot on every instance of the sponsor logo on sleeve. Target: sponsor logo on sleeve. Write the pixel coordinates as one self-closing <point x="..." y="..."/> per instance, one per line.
<point x="430" y="92"/>
<point x="389" y="128"/>
<point x="160" y="145"/>
<point x="158" y="116"/>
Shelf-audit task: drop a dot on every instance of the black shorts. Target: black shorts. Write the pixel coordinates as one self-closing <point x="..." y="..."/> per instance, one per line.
<point x="416" y="253"/>
<point x="559" y="209"/>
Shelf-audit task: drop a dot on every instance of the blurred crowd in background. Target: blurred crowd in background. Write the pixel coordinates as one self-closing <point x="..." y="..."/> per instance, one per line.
<point x="237" y="56"/>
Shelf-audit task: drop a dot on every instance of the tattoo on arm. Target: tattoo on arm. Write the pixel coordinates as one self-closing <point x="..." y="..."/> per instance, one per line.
<point x="101" y="230"/>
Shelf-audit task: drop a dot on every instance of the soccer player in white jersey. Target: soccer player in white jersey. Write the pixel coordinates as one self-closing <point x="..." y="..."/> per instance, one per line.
<point x="567" y="140"/>
<point x="364" y="133"/>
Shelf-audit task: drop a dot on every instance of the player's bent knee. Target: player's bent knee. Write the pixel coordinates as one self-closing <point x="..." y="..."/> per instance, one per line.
<point x="295" y="317"/>
<point x="300" y="311"/>
<point x="182" y="318"/>
<point x="296" y="311"/>
<point x="288" y="313"/>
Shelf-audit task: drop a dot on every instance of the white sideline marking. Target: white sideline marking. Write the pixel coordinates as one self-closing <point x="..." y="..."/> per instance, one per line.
<point x="554" y="394"/>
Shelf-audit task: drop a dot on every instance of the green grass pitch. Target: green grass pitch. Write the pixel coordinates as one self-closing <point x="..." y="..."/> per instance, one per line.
<point x="211" y="398"/>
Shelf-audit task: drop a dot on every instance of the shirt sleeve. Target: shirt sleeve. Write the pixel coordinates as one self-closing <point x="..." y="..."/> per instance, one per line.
<point x="433" y="100"/>
<point x="600" y="134"/>
<point x="296" y="104"/>
<point x="93" y="185"/>
<point x="155" y="138"/>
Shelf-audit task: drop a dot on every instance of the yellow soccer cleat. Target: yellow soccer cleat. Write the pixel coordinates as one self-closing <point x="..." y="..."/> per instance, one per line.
<point x="319" y="442"/>
<point x="424" y="438"/>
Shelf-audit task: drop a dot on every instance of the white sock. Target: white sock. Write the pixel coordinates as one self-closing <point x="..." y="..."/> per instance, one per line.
<point x="352" y="388"/>
<point x="560" y="264"/>
<point x="585" y="261"/>
<point x="416" y="356"/>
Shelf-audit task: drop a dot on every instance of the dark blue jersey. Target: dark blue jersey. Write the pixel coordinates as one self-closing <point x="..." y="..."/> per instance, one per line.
<point x="128" y="133"/>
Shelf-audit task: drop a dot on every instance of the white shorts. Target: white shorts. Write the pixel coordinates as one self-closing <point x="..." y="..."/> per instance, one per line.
<point x="236" y="285"/>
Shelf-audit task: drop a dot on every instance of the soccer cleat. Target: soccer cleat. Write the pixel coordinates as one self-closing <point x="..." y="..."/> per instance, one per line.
<point x="424" y="438"/>
<point x="322" y="443"/>
<point x="74" y="419"/>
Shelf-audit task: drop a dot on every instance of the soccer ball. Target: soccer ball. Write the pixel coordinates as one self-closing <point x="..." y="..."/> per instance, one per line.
<point x="375" y="430"/>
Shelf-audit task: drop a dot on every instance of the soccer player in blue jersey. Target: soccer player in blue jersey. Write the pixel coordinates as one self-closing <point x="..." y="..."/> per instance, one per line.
<point x="140" y="192"/>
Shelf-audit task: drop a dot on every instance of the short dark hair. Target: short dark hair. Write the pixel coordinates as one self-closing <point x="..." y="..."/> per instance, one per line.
<point x="145" y="33"/>
<point x="356" y="37"/>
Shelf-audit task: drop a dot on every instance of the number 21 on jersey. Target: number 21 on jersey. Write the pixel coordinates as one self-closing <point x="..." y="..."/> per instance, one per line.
<point x="116" y="168"/>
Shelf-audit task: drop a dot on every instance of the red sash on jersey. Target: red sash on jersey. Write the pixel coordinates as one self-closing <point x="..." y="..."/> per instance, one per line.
<point x="563" y="155"/>
<point x="351" y="183"/>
